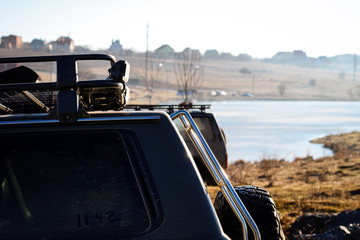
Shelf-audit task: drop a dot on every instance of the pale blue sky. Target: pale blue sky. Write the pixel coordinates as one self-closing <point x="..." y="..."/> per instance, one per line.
<point x="256" y="27"/>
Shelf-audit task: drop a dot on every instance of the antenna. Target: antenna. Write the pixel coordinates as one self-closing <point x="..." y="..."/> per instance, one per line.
<point x="147" y="54"/>
<point x="355" y="57"/>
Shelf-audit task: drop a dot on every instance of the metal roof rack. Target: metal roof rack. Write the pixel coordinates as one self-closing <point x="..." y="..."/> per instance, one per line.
<point x="66" y="97"/>
<point x="170" y="108"/>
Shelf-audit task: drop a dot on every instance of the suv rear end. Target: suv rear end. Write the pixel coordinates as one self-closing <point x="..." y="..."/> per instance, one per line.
<point x="107" y="176"/>
<point x="68" y="171"/>
<point x="215" y="138"/>
<point x="209" y="127"/>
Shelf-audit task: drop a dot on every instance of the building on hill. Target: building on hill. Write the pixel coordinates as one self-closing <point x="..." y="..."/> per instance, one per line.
<point x="226" y="56"/>
<point x="297" y="57"/>
<point x="116" y="46"/>
<point x="38" y="45"/>
<point x="164" y="51"/>
<point x="282" y="57"/>
<point x="62" y="45"/>
<point x="286" y="56"/>
<point x="191" y="52"/>
<point x="211" y="54"/>
<point x="243" y="57"/>
<point x="298" y="54"/>
<point x="11" y="42"/>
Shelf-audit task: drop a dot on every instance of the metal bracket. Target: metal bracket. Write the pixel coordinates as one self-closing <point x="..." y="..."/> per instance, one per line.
<point x="68" y="98"/>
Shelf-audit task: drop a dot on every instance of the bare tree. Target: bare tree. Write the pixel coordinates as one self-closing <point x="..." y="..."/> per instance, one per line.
<point x="341" y="75"/>
<point x="282" y="88"/>
<point x="155" y="67"/>
<point x="189" y="74"/>
<point x="245" y="71"/>
<point x="312" y="82"/>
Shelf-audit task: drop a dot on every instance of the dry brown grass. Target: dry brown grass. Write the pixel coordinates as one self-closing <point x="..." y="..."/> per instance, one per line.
<point x="324" y="185"/>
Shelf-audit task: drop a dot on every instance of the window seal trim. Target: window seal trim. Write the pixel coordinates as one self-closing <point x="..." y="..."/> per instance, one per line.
<point x="83" y="120"/>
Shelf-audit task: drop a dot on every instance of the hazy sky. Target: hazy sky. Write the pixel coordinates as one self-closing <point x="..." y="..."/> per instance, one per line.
<point x="260" y="28"/>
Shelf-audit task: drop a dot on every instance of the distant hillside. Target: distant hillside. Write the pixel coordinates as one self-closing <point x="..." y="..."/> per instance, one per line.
<point x="264" y="79"/>
<point x="345" y="62"/>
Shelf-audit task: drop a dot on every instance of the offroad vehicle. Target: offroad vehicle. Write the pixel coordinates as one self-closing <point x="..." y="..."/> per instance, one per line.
<point x="73" y="166"/>
<point x="209" y="128"/>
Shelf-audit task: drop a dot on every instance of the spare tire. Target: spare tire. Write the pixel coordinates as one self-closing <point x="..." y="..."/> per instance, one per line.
<point x="262" y="209"/>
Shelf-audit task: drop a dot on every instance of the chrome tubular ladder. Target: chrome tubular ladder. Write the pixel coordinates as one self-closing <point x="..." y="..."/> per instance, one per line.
<point x="217" y="172"/>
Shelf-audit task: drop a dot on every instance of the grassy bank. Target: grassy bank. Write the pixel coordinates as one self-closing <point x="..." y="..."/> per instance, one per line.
<point x="324" y="185"/>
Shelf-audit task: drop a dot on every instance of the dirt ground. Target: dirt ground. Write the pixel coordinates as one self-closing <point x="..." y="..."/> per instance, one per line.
<point x="324" y="185"/>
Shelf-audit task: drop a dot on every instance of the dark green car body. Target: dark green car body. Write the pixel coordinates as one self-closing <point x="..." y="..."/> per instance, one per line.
<point x="74" y="173"/>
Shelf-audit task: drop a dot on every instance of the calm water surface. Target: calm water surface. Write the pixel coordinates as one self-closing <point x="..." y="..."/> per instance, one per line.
<point x="282" y="129"/>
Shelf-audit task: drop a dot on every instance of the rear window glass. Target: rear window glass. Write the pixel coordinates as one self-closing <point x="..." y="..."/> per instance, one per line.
<point x="204" y="125"/>
<point x="73" y="185"/>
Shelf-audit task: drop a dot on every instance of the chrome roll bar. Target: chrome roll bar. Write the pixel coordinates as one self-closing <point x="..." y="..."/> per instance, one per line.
<point x="217" y="173"/>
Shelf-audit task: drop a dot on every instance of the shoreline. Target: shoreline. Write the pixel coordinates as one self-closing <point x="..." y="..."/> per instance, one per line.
<point x="282" y="129"/>
<point x="326" y="185"/>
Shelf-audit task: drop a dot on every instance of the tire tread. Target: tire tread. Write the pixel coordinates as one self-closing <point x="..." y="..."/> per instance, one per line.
<point x="262" y="209"/>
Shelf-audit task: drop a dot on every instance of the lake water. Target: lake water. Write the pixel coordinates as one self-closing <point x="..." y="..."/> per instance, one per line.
<point x="282" y="129"/>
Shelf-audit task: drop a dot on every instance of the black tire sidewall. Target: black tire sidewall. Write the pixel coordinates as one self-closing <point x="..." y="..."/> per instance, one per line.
<point x="262" y="209"/>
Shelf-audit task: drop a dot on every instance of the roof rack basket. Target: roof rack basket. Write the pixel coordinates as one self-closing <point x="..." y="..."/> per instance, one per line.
<point x="170" y="108"/>
<point x="217" y="172"/>
<point x="67" y="98"/>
